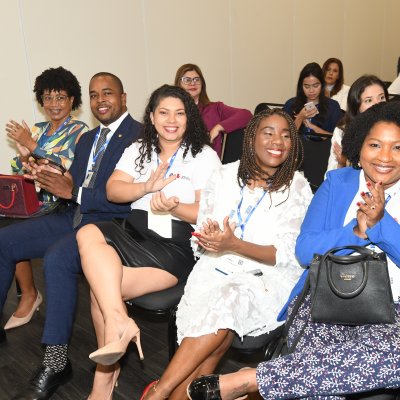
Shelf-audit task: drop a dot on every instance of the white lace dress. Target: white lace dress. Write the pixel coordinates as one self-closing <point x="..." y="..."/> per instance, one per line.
<point x="237" y="299"/>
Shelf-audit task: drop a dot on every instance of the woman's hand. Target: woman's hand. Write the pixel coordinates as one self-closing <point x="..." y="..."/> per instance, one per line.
<point x="21" y="134"/>
<point x="303" y="115"/>
<point x="156" y="181"/>
<point x="315" y="128"/>
<point x="340" y="158"/>
<point x="371" y="210"/>
<point x="214" y="132"/>
<point x="214" y="239"/>
<point x="35" y="167"/>
<point x="160" y="203"/>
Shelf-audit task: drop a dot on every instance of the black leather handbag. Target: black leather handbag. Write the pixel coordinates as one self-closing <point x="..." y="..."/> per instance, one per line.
<point x="351" y="289"/>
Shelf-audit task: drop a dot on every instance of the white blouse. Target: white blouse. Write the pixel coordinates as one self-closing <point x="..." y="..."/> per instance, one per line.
<point x="341" y="97"/>
<point x="222" y="291"/>
<point x="192" y="173"/>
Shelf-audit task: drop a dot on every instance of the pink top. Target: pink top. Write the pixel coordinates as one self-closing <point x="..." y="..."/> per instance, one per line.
<point x="230" y="118"/>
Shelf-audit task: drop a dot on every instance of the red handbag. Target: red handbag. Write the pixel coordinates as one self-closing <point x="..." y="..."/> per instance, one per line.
<point x="18" y="197"/>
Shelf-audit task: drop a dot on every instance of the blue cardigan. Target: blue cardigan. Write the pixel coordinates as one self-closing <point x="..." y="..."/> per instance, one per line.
<point x="323" y="229"/>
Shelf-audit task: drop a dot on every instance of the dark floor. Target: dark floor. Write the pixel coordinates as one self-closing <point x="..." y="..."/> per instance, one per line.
<point x="22" y="353"/>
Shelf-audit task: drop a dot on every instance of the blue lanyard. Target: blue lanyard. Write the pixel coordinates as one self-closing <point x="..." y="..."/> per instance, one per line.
<point x="250" y="210"/>
<point x="101" y="149"/>
<point x="170" y="163"/>
<point x="44" y="138"/>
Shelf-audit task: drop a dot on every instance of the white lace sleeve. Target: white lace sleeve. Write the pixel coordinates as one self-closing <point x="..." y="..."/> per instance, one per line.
<point x="212" y="194"/>
<point x="291" y="217"/>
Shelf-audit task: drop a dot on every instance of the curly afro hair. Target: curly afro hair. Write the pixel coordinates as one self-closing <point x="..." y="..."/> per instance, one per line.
<point x="356" y="132"/>
<point x="58" y="79"/>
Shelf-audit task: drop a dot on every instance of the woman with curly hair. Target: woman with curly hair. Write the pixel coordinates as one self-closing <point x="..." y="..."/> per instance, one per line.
<point x="250" y="215"/>
<point x="162" y="175"/>
<point x="58" y="91"/>
<point x="357" y="205"/>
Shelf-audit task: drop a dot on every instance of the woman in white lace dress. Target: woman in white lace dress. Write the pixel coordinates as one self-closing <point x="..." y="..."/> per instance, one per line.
<point x="249" y="219"/>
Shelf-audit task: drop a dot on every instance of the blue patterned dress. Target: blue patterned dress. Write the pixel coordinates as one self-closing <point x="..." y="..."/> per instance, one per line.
<point x="59" y="147"/>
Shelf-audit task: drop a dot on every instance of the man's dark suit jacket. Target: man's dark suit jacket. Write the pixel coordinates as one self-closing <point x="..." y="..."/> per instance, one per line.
<point x="94" y="204"/>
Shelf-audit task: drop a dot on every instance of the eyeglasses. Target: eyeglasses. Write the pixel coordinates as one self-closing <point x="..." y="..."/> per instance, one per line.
<point x="191" y="81"/>
<point x="59" y="98"/>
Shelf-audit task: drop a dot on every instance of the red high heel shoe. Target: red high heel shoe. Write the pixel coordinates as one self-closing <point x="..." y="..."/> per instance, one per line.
<point x="112" y="352"/>
<point x="147" y="388"/>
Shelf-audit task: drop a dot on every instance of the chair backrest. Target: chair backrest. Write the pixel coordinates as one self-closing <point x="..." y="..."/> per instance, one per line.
<point x="265" y="106"/>
<point x="233" y="146"/>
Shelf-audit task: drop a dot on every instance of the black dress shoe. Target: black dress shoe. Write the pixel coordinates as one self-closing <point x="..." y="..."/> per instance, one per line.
<point x="204" y="388"/>
<point x="3" y="336"/>
<point x="44" y="383"/>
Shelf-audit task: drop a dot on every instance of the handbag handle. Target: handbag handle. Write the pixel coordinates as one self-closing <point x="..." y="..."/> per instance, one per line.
<point x="13" y="189"/>
<point x="364" y="254"/>
<point x="350" y="294"/>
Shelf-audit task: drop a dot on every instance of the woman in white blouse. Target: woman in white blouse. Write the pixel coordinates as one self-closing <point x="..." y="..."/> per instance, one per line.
<point x="250" y="215"/>
<point x="161" y="175"/>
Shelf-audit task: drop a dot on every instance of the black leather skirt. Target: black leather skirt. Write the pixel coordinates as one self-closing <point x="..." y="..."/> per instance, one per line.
<point x="139" y="246"/>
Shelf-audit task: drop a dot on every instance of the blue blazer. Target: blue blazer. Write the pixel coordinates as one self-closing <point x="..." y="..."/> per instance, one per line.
<point x="323" y="229"/>
<point x="94" y="204"/>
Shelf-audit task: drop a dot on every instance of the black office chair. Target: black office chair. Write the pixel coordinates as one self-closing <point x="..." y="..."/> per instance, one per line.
<point x="266" y="342"/>
<point x="162" y="303"/>
<point x="232" y="146"/>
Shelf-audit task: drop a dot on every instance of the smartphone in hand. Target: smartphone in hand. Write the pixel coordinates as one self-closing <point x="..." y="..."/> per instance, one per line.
<point x="51" y="163"/>
<point x="310" y="106"/>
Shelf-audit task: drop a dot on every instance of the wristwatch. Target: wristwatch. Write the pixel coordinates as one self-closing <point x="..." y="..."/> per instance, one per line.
<point x="75" y="192"/>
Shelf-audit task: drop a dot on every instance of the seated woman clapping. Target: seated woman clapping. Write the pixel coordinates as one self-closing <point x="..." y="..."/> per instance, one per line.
<point x="358" y="205"/>
<point x="249" y="218"/>
<point x="162" y="174"/>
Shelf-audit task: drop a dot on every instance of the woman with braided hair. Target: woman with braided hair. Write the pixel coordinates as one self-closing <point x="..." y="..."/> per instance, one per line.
<point x="250" y="215"/>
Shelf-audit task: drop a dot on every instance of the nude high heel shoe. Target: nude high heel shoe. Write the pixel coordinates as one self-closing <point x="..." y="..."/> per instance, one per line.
<point x="15" y="322"/>
<point x="112" y="352"/>
<point x="116" y="374"/>
<point x="117" y="371"/>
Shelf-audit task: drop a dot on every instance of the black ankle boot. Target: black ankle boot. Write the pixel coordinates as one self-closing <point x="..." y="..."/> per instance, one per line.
<point x="204" y="388"/>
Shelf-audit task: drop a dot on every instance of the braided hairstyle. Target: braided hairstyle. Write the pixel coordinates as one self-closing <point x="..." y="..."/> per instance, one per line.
<point x="357" y="131"/>
<point x="195" y="137"/>
<point x="249" y="169"/>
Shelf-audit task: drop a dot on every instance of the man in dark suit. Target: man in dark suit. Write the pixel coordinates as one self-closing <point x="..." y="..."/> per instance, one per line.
<point x="53" y="236"/>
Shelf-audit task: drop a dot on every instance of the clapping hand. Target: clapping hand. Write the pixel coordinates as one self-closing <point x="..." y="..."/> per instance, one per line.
<point x="214" y="239"/>
<point x="371" y="209"/>
<point x="50" y="179"/>
<point x="157" y="180"/>
<point x="160" y="203"/>
<point x="21" y="134"/>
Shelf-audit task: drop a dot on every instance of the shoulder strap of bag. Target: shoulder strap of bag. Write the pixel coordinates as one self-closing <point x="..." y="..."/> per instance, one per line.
<point x="282" y="348"/>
